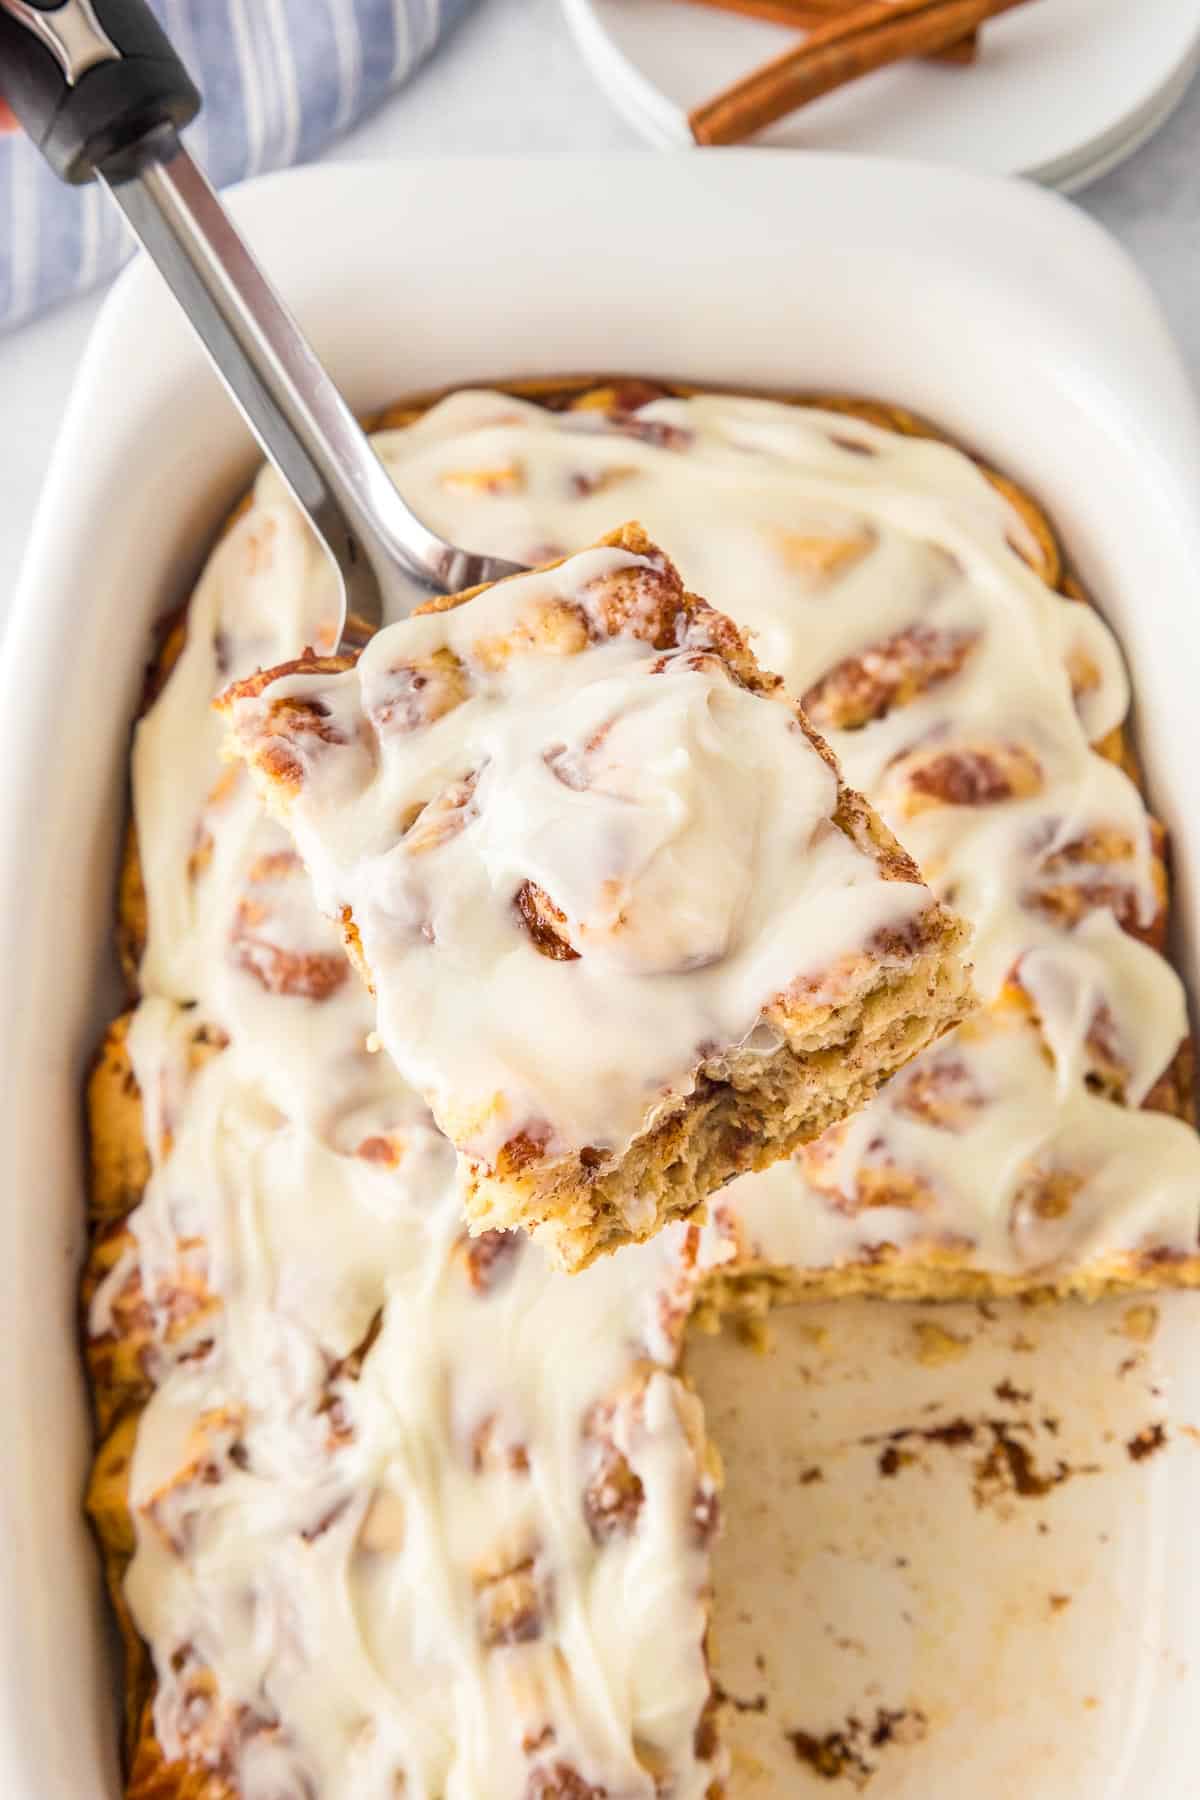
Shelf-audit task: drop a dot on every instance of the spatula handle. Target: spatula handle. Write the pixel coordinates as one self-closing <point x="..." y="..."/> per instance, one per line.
<point x="90" y="80"/>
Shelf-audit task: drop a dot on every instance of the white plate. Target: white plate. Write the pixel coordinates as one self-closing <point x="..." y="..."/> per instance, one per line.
<point x="1116" y="146"/>
<point x="1065" y="87"/>
<point x="989" y="305"/>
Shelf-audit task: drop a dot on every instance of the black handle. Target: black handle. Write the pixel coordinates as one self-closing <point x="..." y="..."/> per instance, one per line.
<point x="90" y="80"/>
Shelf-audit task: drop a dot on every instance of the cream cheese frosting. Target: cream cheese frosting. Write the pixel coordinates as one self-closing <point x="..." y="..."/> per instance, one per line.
<point x="416" y="1514"/>
<point x="679" y="826"/>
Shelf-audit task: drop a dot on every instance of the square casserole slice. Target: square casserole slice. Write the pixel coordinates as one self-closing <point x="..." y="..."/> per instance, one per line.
<point x="628" y="932"/>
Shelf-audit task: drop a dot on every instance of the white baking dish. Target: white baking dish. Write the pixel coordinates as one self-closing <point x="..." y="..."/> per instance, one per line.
<point x="995" y="308"/>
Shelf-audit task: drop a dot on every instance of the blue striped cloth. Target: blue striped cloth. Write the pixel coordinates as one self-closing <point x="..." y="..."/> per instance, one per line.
<point x="280" y="78"/>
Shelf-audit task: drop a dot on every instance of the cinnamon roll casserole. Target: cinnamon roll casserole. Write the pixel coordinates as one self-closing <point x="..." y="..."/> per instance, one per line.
<point x="389" y="1509"/>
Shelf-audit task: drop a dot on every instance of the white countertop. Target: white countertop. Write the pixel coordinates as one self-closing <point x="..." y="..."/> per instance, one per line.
<point x="464" y="102"/>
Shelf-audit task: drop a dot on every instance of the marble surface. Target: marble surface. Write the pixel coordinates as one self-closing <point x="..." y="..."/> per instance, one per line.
<point x="464" y="102"/>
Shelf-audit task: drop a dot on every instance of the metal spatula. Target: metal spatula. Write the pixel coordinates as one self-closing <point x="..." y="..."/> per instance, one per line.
<point x="103" y="95"/>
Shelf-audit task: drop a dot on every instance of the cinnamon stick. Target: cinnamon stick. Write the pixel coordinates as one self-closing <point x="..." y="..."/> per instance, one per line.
<point x="800" y="13"/>
<point x="964" y="50"/>
<point x="867" y="37"/>
<point x="804" y="14"/>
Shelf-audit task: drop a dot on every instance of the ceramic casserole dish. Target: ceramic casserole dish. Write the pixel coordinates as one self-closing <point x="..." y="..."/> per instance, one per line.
<point x="990" y="307"/>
